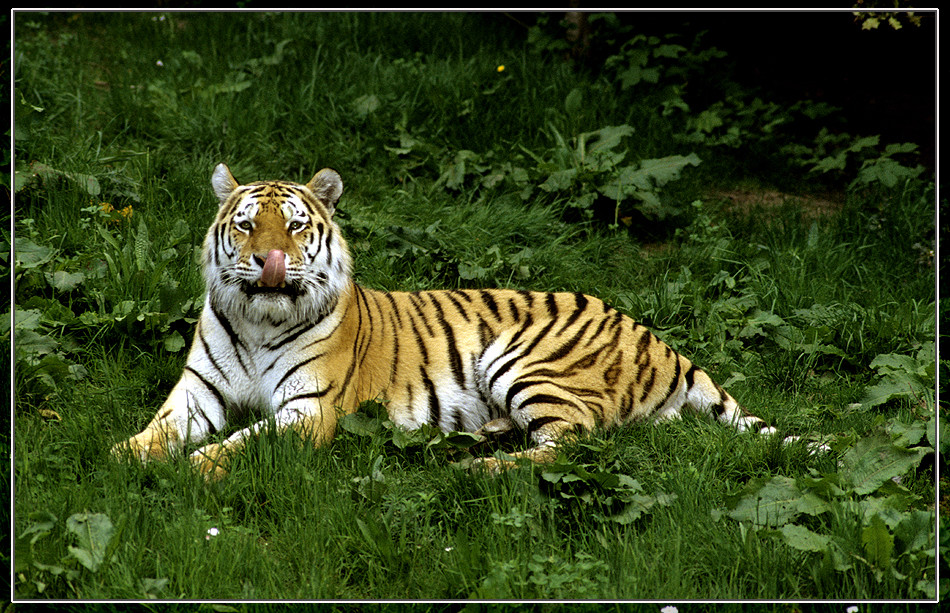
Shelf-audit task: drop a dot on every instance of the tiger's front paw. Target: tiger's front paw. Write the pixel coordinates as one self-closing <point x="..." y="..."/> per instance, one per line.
<point x="126" y="450"/>
<point x="142" y="447"/>
<point x="489" y="465"/>
<point x="211" y="461"/>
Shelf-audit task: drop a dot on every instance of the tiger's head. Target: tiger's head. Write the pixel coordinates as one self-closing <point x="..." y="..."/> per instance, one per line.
<point x="273" y="253"/>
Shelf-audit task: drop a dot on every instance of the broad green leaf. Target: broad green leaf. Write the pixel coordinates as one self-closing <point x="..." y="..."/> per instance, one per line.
<point x="64" y="281"/>
<point x="834" y="162"/>
<point x="637" y="506"/>
<point x="894" y="361"/>
<point x="31" y="344"/>
<point x="454" y="174"/>
<point x="885" y="170"/>
<point x="471" y="271"/>
<point x="606" y="138"/>
<point x="836" y="558"/>
<point x="559" y="180"/>
<point x="364" y="105"/>
<point x="456" y="440"/>
<point x="670" y="51"/>
<point x="886" y="391"/>
<point x="916" y="531"/>
<point x="26" y="320"/>
<point x="864" y="143"/>
<point x="640" y="504"/>
<point x="89" y="318"/>
<point x="774" y="502"/>
<point x="30" y="255"/>
<point x="929" y="588"/>
<point x="874" y="461"/>
<point x="664" y="170"/>
<point x="635" y="74"/>
<point x="23" y="552"/>
<point x="373" y="408"/>
<point x="361" y="424"/>
<point x="888" y="507"/>
<point x="810" y="504"/>
<point x="403" y="438"/>
<point x="878" y="543"/>
<point x="42" y="521"/>
<point x="174" y="342"/>
<point x="707" y="121"/>
<point x="902" y="376"/>
<point x="804" y="539"/>
<point x="22" y="178"/>
<point x="905" y="434"/>
<point x="825" y="486"/>
<point x="900" y="148"/>
<point x="94" y="531"/>
<point x="87" y="183"/>
<point x="573" y="102"/>
<point x="554" y="473"/>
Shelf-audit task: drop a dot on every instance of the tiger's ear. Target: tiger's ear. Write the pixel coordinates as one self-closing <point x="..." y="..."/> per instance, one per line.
<point x="223" y="182"/>
<point x="327" y="186"/>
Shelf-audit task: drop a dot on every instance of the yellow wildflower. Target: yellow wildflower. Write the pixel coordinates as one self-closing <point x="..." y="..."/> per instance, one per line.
<point x="115" y="216"/>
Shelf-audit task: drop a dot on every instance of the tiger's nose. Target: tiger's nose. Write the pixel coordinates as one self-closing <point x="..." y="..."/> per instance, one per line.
<point x="273" y="269"/>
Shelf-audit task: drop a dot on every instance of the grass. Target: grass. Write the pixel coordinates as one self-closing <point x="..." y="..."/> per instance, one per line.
<point x="459" y="173"/>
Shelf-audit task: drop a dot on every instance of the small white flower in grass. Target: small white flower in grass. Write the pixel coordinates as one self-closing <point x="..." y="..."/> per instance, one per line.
<point x="669" y="609"/>
<point x="159" y="63"/>
<point x="852" y="609"/>
<point x="211" y="532"/>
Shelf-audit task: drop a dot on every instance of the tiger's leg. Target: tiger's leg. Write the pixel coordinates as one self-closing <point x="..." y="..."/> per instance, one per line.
<point x="311" y="420"/>
<point x="705" y="396"/>
<point x="191" y="412"/>
<point x="546" y="413"/>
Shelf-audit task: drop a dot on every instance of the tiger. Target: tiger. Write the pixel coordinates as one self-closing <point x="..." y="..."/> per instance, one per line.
<point x="286" y="331"/>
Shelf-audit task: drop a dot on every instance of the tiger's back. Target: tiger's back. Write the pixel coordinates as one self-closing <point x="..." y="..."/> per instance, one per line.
<point x="285" y="329"/>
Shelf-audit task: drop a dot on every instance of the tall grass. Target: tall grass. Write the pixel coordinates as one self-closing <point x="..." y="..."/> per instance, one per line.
<point x="459" y="139"/>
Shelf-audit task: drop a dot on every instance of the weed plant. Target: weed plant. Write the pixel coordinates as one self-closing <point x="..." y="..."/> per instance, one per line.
<point x="473" y="155"/>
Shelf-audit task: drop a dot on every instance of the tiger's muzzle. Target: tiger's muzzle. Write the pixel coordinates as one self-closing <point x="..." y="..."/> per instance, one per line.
<point x="273" y="279"/>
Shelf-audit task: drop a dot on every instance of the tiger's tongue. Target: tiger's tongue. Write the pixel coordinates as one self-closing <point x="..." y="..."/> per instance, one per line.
<point x="274" y="269"/>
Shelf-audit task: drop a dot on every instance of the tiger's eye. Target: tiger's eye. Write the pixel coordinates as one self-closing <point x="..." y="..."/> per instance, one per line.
<point x="245" y="225"/>
<point x="294" y="226"/>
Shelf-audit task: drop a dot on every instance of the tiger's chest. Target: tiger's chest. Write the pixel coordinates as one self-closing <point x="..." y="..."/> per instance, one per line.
<point x="258" y="366"/>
